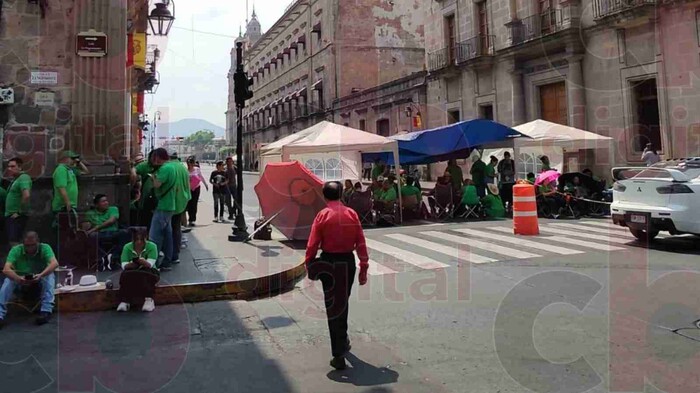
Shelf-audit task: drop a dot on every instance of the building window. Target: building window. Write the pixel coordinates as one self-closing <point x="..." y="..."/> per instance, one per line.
<point x="450" y="37"/>
<point x="383" y="127"/>
<point x="486" y="111"/>
<point x="333" y="169"/>
<point x="553" y="105"/>
<point x="363" y="125"/>
<point x="315" y="166"/>
<point x="453" y="117"/>
<point x="482" y="15"/>
<point x="646" y="125"/>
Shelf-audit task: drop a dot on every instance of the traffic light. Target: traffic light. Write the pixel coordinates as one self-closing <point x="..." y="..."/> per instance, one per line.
<point x="241" y="88"/>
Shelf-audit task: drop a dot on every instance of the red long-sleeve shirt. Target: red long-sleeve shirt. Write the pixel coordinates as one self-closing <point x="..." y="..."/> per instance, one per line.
<point x="337" y="229"/>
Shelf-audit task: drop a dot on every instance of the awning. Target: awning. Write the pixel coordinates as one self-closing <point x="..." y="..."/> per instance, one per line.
<point x="293" y="45"/>
<point x="286" y="51"/>
<point x="280" y="56"/>
<point x="318" y="85"/>
<point x="544" y="133"/>
<point x="302" y="39"/>
<point x="300" y="92"/>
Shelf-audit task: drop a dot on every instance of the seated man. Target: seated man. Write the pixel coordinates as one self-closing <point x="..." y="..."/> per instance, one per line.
<point x="547" y="194"/>
<point x="443" y="181"/>
<point x="470" y="198"/>
<point x="104" y="227"/>
<point x="376" y="186"/>
<point x="531" y="178"/>
<point x="28" y="264"/>
<point x="493" y="205"/>
<point x="137" y="283"/>
<point x="412" y="197"/>
<point x="386" y="199"/>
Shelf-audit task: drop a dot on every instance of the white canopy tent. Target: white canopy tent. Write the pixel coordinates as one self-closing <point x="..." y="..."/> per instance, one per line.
<point x="329" y="150"/>
<point x="542" y="137"/>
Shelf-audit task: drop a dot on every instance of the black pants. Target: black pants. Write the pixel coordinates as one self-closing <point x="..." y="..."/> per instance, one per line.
<point x="14" y="228"/>
<point x="177" y="235"/>
<point x="137" y="284"/>
<point x="231" y="203"/>
<point x="507" y="194"/>
<point x="192" y="205"/>
<point x="219" y="203"/>
<point x="337" y="276"/>
<point x="145" y="217"/>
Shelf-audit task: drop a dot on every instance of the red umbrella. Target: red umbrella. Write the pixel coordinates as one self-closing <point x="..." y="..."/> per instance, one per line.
<point x="291" y="190"/>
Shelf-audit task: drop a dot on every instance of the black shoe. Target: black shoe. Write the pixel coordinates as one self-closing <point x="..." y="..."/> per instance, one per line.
<point x="230" y="218"/>
<point x="165" y="268"/>
<point x="186" y="230"/>
<point x="348" y="347"/>
<point x="43" y="318"/>
<point x="338" y="363"/>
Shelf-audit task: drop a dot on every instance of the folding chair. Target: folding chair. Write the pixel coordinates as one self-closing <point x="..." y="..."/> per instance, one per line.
<point x="411" y="207"/>
<point x="444" y="204"/>
<point x="361" y="202"/>
<point x="474" y="211"/>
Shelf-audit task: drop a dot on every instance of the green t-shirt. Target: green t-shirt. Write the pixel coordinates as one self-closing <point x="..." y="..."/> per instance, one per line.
<point x="24" y="264"/>
<point x="411" y="190"/>
<point x="149" y="253"/>
<point x="97" y="217"/>
<point x="493" y="206"/>
<point x="174" y="192"/>
<point x="477" y="172"/>
<point x="469" y="195"/>
<point x="377" y="170"/>
<point x="64" y="177"/>
<point x="457" y="176"/>
<point x="3" y="196"/>
<point x="545" y="188"/>
<point x="13" y="203"/>
<point x="388" y="195"/>
<point x="490" y="170"/>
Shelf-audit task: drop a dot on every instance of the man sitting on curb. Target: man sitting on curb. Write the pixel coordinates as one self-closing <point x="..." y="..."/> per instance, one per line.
<point x="29" y="264"/>
<point x="104" y="229"/>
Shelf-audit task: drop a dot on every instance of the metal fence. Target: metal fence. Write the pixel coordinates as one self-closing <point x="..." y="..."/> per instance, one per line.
<point x="480" y="45"/>
<point x="537" y="26"/>
<point x="603" y="8"/>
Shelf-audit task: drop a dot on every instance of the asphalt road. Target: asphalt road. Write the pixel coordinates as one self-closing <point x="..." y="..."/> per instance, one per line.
<point x="448" y="308"/>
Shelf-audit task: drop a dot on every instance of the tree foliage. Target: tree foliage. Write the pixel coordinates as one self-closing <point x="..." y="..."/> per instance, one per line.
<point x="201" y="139"/>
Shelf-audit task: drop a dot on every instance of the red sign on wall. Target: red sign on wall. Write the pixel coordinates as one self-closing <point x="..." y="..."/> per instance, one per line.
<point x="91" y="44"/>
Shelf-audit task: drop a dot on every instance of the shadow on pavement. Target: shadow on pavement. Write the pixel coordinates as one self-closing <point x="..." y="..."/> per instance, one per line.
<point x="364" y="374"/>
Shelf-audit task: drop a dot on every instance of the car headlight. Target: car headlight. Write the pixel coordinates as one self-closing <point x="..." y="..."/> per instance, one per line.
<point x="674" y="189"/>
<point x="619" y="187"/>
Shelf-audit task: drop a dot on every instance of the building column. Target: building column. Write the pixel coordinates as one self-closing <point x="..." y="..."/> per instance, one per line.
<point x="517" y="95"/>
<point x="576" y="93"/>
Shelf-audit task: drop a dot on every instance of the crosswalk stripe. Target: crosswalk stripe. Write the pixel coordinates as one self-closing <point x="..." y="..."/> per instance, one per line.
<point x="592" y="229"/>
<point x="603" y="225"/>
<point x="560" y="231"/>
<point x="494" y="248"/>
<point x="377" y="269"/>
<point x="453" y="252"/>
<point x="583" y="243"/>
<point x="405" y="256"/>
<point x="518" y="241"/>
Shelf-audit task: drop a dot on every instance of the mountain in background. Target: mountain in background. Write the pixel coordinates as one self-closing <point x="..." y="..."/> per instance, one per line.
<point x="186" y="127"/>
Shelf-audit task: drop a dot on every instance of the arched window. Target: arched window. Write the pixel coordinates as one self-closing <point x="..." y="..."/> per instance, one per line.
<point x="528" y="163"/>
<point x="333" y="169"/>
<point x="315" y="166"/>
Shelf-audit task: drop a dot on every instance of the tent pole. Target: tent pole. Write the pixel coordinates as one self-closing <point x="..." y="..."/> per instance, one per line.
<point x="397" y="165"/>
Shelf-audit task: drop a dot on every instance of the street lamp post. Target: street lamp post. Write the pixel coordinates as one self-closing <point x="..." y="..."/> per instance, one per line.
<point x="242" y="93"/>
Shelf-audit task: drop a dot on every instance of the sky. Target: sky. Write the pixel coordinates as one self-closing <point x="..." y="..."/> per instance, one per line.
<point x="194" y="66"/>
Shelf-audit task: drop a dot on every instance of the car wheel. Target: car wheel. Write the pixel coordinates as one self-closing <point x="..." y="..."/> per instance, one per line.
<point x="644" y="236"/>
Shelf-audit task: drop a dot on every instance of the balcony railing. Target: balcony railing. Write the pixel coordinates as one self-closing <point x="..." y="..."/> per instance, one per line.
<point x="605" y="8"/>
<point x="537" y="26"/>
<point x="481" y="45"/>
<point x="441" y="58"/>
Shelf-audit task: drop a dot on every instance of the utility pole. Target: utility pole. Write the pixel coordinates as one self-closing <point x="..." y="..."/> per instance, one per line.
<point x="242" y="93"/>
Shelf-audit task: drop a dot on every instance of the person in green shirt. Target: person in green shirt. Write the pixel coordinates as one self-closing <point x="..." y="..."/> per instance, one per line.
<point x="531" y="178"/>
<point x="183" y="194"/>
<point x="386" y="198"/>
<point x="545" y="164"/>
<point x="65" y="183"/>
<point x="17" y="202"/>
<point x="490" y="170"/>
<point x="137" y="283"/>
<point x="30" y="263"/>
<point x="478" y="175"/>
<point x="146" y="205"/>
<point x="456" y="175"/>
<point x="410" y="189"/>
<point x="493" y="205"/>
<point x="469" y="195"/>
<point x="378" y="169"/>
<point x="104" y="230"/>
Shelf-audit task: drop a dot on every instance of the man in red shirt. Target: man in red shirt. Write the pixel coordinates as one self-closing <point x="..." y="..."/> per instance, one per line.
<point x="337" y="231"/>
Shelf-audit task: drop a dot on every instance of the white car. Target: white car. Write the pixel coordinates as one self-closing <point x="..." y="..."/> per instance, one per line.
<point x="662" y="197"/>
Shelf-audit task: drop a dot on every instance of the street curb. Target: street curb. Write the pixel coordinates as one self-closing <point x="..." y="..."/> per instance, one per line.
<point x="104" y="300"/>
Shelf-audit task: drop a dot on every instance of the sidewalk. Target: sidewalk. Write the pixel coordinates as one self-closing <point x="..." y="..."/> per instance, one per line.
<point x="210" y="268"/>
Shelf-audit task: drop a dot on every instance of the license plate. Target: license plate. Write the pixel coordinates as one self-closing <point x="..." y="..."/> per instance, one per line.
<point x="638" y="218"/>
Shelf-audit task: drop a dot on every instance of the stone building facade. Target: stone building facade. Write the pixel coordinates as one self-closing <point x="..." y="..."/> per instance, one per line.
<point x="66" y="101"/>
<point x="622" y="69"/>
<point x="320" y="51"/>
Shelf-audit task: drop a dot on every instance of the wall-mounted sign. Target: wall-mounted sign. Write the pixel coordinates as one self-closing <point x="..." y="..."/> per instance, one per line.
<point x="91" y="43"/>
<point x="44" y="98"/>
<point x="43" y="78"/>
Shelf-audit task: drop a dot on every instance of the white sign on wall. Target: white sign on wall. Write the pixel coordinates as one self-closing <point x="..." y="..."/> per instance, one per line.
<point x="44" y="98"/>
<point x="44" y="78"/>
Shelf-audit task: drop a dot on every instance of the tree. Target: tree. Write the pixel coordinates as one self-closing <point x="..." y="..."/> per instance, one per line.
<point x="200" y="139"/>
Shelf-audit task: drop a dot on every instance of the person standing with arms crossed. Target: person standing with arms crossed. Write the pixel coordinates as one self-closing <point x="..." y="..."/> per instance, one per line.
<point x="17" y="201"/>
<point x="336" y="230"/>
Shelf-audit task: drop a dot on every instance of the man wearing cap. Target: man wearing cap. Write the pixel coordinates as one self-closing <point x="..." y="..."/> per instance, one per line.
<point x="65" y="183"/>
<point x="30" y="263"/>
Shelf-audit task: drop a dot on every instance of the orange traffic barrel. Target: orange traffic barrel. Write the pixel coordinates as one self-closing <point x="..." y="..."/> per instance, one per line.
<point x="525" y="210"/>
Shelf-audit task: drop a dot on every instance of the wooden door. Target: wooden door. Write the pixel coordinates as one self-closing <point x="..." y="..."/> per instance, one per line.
<point x="451" y="38"/>
<point x="483" y="28"/>
<point x="553" y="105"/>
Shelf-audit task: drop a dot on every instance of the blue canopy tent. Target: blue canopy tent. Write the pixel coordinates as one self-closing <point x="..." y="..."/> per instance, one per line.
<point x="445" y="143"/>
